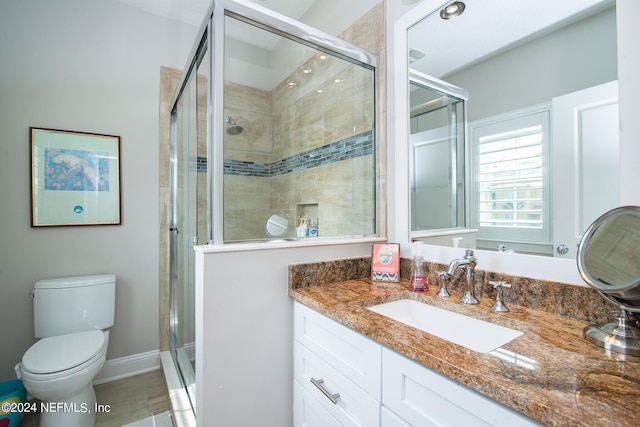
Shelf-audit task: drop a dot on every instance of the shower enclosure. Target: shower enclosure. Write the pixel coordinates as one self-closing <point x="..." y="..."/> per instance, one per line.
<point x="188" y="213"/>
<point x="272" y="126"/>
<point x="436" y="153"/>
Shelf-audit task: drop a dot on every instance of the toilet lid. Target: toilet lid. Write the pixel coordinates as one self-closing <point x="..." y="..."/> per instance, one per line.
<point x="62" y="352"/>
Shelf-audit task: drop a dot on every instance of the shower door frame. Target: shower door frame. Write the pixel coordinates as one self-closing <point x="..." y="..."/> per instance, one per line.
<point x="185" y="373"/>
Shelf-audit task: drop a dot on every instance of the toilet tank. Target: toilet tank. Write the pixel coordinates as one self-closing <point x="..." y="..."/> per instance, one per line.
<point x="74" y="304"/>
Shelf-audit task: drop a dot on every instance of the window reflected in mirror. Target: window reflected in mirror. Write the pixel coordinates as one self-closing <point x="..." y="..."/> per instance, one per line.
<point x="511" y="191"/>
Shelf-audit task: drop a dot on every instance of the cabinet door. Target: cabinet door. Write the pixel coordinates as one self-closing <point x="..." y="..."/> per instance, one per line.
<point x="389" y="419"/>
<point x="423" y="397"/>
<point x="355" y="356"/>
<point x="353" y="407"/>
<point x="307" y="412"/>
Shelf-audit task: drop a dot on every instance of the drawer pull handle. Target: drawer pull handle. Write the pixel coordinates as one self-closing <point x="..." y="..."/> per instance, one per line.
<point x="320" y="384"/>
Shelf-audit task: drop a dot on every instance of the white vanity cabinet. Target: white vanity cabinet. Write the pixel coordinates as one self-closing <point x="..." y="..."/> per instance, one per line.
<point x="423" y="397"/>
<point x="340" y="361"/>
<point x="377" y="386"/>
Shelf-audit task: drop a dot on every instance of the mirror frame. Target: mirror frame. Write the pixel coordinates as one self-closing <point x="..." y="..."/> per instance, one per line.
<point x="546" y="268"/>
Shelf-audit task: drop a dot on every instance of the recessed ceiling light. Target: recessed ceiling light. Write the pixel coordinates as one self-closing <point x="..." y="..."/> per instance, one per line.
<point x="306" y="71"/>
<point x="452" y="10"/>
<point x="415" y="55"/>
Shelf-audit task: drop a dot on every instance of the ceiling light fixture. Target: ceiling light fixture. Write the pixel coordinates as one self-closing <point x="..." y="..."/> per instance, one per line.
<point x="415" y="55"/>
<point x="452" y="10"/>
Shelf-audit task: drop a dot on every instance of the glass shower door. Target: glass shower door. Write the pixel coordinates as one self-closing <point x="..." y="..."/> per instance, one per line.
<point x="187" y="140"/>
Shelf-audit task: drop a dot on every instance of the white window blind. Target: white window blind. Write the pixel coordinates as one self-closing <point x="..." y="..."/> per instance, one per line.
<point x="510" y="177"/>
<point x="511" y="185"/>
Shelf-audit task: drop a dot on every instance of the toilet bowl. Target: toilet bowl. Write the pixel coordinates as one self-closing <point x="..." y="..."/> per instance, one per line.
<point x="59" y="372"/>
<point x="72" y="316"/>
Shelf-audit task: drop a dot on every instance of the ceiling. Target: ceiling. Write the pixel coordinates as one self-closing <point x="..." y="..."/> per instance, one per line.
<point x="193" y="11"/>
<point x="252" y="43"/>
<point x="487" y="27"/>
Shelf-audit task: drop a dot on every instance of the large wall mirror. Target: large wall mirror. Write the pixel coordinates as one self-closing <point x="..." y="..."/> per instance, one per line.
<point x="534" y="71"/>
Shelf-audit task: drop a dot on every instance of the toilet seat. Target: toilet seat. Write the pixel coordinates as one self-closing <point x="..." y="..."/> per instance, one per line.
<point x="63" y="355"/>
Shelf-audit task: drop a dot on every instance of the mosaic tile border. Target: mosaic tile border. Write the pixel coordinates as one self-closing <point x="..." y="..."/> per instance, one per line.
<point x="345" y="149"/>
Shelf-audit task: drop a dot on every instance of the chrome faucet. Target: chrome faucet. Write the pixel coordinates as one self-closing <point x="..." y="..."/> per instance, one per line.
<point x="469" y="264"/>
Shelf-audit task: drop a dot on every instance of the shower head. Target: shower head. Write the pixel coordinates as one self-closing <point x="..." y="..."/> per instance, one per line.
<point x="234" y="128"/>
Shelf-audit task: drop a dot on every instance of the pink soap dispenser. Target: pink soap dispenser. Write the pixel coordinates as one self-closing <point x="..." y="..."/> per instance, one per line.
<point x="418" y="281"/>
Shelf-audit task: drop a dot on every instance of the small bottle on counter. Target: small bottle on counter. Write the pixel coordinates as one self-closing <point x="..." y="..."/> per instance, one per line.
<point x="418" y="281"/>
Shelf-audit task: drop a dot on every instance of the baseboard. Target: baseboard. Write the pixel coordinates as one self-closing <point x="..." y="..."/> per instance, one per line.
<point x="128" y="366"/>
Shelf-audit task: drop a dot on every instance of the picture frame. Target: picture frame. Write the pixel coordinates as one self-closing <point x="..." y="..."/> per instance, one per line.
<point x="75" y="178"/>
<point x="385" y="262"/>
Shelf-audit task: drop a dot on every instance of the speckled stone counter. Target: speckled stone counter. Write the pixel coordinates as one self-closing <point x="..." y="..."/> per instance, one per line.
<point x="550" y="373"/>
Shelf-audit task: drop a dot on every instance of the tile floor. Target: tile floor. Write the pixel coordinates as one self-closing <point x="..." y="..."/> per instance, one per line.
<point x="129" y="399"/>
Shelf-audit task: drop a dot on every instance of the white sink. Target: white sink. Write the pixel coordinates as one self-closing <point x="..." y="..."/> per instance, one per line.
<point x="466" y="331"/>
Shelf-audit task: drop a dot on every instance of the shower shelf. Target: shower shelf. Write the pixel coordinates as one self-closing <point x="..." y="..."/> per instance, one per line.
<point x="307" y="210"/>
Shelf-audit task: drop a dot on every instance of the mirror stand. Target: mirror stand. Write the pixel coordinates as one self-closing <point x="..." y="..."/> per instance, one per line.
<point x="622" y="336"/>
<point x="607" y="261"/>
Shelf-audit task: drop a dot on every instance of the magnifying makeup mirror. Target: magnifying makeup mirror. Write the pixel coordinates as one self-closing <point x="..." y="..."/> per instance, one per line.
<point x="609" y="261"/>
<point x="276" y="225"/>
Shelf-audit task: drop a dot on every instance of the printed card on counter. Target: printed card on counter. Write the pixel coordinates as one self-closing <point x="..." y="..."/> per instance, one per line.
<point x="385" y="262"/>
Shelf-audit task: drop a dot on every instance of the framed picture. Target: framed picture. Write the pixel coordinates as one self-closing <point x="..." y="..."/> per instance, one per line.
<point x="385" y="262"/>
<point x="75" y="178"/>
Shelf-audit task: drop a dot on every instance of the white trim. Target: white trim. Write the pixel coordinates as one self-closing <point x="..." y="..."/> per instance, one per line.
<point x="128" y="366"/>
<point x="514" y="114"/>
<point x="280" y="244"/>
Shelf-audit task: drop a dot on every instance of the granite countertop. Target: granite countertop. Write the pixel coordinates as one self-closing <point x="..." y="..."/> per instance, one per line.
<point x="550" y="373"/>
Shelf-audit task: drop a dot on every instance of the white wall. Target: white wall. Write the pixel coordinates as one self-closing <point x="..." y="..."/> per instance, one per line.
<point x="89" y="66"/>
<point x="244" y="332"/>
<point x="541" y="69"/>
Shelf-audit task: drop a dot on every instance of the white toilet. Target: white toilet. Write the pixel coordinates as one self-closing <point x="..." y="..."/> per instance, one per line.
<point x="71" y="316"/>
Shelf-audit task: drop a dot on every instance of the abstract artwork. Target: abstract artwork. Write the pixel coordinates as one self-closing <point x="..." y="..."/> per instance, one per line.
<point x="75" y="178"/>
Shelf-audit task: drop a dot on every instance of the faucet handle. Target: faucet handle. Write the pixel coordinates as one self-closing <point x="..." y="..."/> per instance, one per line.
<point x="444" y="276"/>
<point x="499" y="305"/>
<point x="500" y="284"/>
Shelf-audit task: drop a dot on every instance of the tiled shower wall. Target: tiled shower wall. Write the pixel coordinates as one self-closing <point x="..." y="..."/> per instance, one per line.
<point x="247" y="197"/>
<point x="301" y="145"/>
